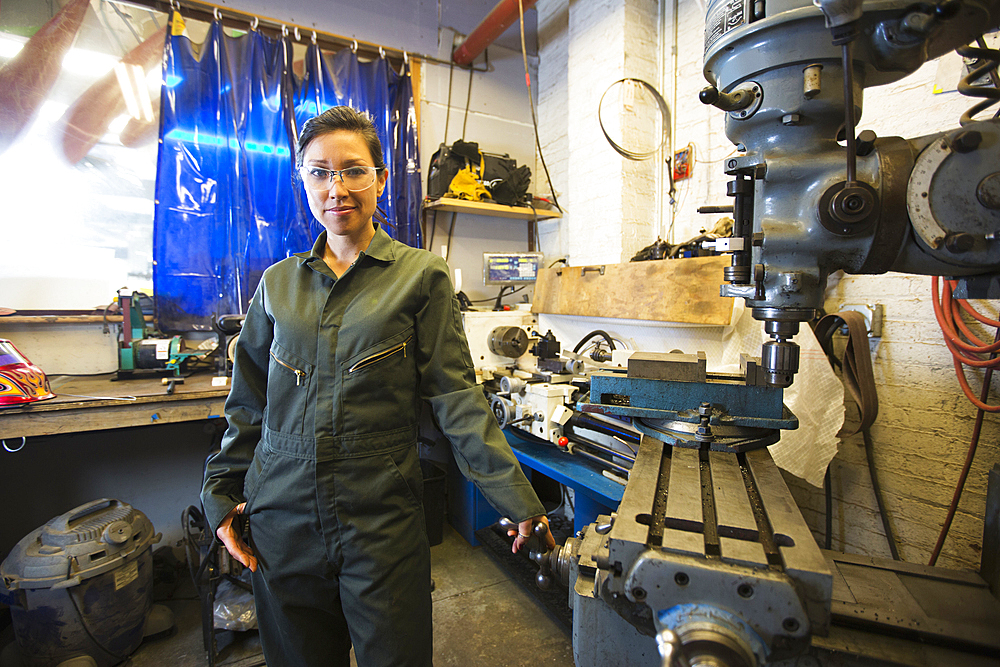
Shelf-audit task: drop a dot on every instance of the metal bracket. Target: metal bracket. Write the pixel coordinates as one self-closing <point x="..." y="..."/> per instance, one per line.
<point x="873" y="313"/>
<point x="585" y="269"/>
<point x="725" y="244"/>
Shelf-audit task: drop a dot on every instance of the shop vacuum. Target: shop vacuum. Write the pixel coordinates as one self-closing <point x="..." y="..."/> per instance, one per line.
<point x="80" y="589"/>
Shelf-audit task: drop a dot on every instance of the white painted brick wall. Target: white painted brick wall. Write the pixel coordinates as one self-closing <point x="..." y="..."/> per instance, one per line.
<point x="925" y="422"/>
<point x="584" y="48"/>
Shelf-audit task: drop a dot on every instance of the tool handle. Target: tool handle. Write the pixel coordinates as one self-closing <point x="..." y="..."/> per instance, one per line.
<point x="541" y="557"/>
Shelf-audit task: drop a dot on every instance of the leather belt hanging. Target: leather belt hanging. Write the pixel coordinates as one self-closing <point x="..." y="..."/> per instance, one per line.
<point x="858" y="374"/>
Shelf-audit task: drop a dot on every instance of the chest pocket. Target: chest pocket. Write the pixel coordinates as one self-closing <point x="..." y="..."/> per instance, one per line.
<point x="379" y="386"/>
<point x="291" y="389"/>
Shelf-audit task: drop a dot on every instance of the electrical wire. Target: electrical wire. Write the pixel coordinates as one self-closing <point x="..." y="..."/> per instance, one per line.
<point x="514" y="290"/>
<point x="83" y="619"/>
<point x="531" y="101"/>
<point x="468" y="102"/>
<point x="969" y="456"/>
<point x="447" y="113"/>
<point x="828" y="493"/>
<point x="876" y="487"/>
<point x="947" y="310"/>
<point x="597" y="332"/>
<point x="562" y="501"/>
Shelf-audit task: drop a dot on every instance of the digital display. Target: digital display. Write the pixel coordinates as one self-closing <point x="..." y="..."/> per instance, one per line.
<point x="511" y="268"/>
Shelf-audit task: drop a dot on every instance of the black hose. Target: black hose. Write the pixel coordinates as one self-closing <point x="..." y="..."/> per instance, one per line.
<point x="869" y="453"/>
<point x="596" y="332"/>
<point x="828" y="492"/>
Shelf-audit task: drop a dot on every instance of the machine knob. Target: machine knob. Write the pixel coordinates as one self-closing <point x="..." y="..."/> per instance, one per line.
<point x="117" y="532"/>
<point x="562" y="442"/>
<point x="966" y="141"/>
<point x="512" y="385"/>
<point x="544" y="577"/>
<point x="988" y="191"/>
<point x="959" y="242"/>
<point x="734" y="101"/>
<point x="502" y="411"/>
<point x="865" y="143"/>
<point x="709" y="95"/>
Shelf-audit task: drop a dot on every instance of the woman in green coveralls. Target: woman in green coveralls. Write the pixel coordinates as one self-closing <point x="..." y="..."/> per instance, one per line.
<point x="339" y="348"/>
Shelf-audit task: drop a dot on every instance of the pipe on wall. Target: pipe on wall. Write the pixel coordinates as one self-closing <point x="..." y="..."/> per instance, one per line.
<point x="501" y="17"/>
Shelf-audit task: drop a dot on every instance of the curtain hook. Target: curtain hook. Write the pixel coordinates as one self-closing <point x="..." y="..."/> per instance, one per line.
<point x="406" y="58"/>
<point x="354" y="46"/>
<point x="256" y="22"/>
<point x="217" y="14"/>
<point x="296" y="33"/>
<point x="174" y="5"/>
<point x="14" y="451"/>
<point x="284" y="31"/>
<point x="381" y="53"/>
<point x="314" y="37"/>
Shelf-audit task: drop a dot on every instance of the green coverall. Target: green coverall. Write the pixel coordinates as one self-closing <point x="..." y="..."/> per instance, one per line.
<point x="327" y="386"/>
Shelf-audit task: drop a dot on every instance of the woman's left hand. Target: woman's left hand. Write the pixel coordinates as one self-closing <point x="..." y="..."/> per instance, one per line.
<point x="525" y="530"/>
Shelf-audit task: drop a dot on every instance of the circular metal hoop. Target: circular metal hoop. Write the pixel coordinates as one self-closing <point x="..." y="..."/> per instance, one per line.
<point x="664" y="114"/>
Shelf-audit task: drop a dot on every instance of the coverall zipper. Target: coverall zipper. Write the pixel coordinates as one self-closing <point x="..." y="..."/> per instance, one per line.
<point x="299" y="375"/>
<point x="367" y="361"/>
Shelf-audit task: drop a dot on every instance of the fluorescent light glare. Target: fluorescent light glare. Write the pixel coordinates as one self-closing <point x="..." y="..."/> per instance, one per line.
<point x="127" y="91"/>
<point x="139" y="77"/>
<point x="10" y="45"/>
<point x="52" y="111"/>
<point x="90" y="63"/>
<point x="137" y="205"/>
<point x="212" y="140"/>
<point x="118" y="124"/>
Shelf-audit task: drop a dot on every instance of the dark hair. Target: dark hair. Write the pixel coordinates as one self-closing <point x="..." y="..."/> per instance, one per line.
<point x="335" y="119"/>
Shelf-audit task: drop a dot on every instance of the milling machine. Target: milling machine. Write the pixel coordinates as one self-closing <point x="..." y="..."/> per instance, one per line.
<point x="708" y="560"/>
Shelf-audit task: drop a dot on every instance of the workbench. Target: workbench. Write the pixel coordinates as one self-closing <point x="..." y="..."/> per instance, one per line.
<point x="98" y="402"/>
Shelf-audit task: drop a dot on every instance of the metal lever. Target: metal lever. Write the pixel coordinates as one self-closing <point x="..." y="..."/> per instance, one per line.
<point x="544" y="577"/>
<point x="734" y="101"/>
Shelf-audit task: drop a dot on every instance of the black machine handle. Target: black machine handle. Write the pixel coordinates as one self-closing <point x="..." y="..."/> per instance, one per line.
<point x="536" y="551"/>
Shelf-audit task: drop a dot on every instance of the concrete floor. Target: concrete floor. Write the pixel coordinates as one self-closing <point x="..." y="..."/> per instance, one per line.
<point x="481" y="618"/>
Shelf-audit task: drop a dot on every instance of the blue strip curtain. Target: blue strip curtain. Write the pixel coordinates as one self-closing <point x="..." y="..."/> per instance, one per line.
<point x="228" y="201"/>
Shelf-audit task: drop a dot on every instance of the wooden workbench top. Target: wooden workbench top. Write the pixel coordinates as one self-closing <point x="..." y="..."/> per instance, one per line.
<point x="97" y="402"/>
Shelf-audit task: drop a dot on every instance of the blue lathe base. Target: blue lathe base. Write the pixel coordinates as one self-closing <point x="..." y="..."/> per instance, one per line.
<point x="595" y="494"/>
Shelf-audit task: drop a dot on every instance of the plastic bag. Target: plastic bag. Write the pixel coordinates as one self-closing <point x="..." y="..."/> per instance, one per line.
<point x="234" y="608"/>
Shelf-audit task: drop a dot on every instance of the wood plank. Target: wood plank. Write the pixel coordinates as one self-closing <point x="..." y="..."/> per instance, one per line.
<point x="97" y="402"/>
<point x="77" y="420"/>
<point x="684" y="509"/>
<point x="732" y="505"/>
<point x="670" y="290"/>
<point x="64" y="319"/>
<point x="496" y="210"/>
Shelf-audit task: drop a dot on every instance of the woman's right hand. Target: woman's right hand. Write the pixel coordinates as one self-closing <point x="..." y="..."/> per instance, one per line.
<point x="233" y="540"/>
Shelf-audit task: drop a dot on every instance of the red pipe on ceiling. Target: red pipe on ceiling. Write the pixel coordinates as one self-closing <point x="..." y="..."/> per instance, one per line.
<point x="499" y="19"/>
